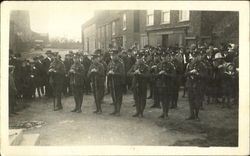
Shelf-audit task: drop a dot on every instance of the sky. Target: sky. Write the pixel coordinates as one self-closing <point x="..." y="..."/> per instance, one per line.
<point x="59" y="21"/>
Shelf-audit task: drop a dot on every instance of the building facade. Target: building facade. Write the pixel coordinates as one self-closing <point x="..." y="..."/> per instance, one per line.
<point x="125" y="28"/>
<point x="21" y="37"/>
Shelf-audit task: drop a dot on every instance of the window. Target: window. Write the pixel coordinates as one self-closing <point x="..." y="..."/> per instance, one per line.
<point x="150" y="17"/>
<point x="113" y="28"/>
<point x="124" y="24"/>
<point x="184" y="15"/>
<point x="165" y="16"/>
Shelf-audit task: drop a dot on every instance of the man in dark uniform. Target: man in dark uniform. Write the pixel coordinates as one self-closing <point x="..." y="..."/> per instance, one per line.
<point x="164" y="83"/>
<point x="177" y="61"/>
<point x="46" y="62"/>
<point x="86" y="63"/>
<point x="68" y="63"/>
<point x="196" y="74"/>
<point x="12" y="91"/>
<point x="140" y="73"/>
<point x="153" y="70"/>
<point x="18" y="76"/>
<point x="77" y="75"/>
<point x="116" y="74"/>
<point x="97" y="75"/>
<point x="130" y="62"/>
<point x="39" y="76"/>
<point x="56" y="78"/>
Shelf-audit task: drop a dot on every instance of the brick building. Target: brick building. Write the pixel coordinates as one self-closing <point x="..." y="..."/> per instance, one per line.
<point x="168" y="28"/>
<point x="124" y="28"/>
<point x="111" y="28"/>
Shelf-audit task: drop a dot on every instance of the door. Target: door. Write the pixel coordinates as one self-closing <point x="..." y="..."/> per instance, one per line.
<point x="165" y="41"/>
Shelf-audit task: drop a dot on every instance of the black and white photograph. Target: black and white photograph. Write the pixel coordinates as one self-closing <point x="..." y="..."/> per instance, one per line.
<point x="117" y="74"/>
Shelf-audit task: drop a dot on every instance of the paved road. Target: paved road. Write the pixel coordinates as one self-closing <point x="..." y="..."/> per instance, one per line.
<point x="67" y="128"/>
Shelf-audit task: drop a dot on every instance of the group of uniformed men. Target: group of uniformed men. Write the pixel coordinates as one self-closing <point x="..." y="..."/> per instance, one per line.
<point x="205" y="72"/>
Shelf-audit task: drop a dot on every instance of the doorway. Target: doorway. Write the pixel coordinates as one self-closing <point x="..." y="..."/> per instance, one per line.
<point x="164" y="41"/>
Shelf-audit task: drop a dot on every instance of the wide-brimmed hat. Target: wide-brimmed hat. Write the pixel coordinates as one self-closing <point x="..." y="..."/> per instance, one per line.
<point x="218" y="56"/>
<point x="48" y="52"/>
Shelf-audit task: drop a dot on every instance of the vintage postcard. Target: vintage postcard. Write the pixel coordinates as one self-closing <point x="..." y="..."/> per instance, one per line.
<point x="124" y="78"/>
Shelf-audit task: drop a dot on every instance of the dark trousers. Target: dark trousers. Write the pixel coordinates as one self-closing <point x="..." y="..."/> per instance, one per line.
<point x="195" y="98"/>
<point x="164" y="99"/>
<point x="156" y="96"/>
<point x="48" y="88"/>
<point x="67" y="87"/>
<point x="77" y="92"/>
<point x="87" y="86"/>
<point x="57" y="95"/>
<point x="175" y="91"/>
<point x="151" y="89"/>
<point x="98" y="96"/>
<point x="140" y="96"/>
<point x="117" y="94"/>
<point x="12" y="103"/>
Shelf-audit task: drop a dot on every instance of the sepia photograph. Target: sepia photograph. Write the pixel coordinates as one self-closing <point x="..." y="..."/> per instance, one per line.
<point x="111" y="74"/>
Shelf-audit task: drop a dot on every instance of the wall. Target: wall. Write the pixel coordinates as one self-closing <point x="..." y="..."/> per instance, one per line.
<point x="20" y="33"/>
<point x="90" y="37"/>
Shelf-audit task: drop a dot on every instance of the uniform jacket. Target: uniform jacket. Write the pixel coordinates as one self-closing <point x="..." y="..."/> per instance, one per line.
<point x="12" y="86"/>
<point x="78" y="78"/>
<point x="119" y="72"/>
<point x="46" y="64"/>
<point x="196" y="80"/>
<point x="139" y="80"/>
<point x="162" y="80"/>
<point x="98" y="77"/>
<point x="57" y="77"/>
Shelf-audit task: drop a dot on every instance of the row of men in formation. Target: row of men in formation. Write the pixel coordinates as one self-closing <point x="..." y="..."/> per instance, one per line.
<point x="205" y="71"/>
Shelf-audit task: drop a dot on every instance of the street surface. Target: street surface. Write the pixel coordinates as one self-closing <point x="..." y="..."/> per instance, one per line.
<point x="67" y="128"/>
<point x="218" y="126"/>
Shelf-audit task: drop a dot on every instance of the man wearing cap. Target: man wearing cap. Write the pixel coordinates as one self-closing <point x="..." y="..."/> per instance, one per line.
<point x="209" y="85"/>
<point x="179" y="67"/>
<point x="77" y="76"/>
<point x="40" y="75"/>
<point x="46" y="62"/>
<point x="86" y="63"/>
<point x="164" y="83"/>
<point x="56" y="78"/>
<point x="96" y="75"/>
<point x="116" y="74"/>
<point x="153" y="66"/>
<point x="140" y="74"/>
<point x="196" y="74"/>
<point x="68" y="62"/>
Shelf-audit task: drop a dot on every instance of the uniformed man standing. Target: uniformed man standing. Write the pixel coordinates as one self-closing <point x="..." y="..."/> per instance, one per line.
<point x="67" y="63"/>
<point x="97" y="75"/>
<point x="56" y="78"/>
<point x="77" y="76"/>
<point x="46" y="63"/>
<point x="164" y="83"/>
<point x="196" y="74"/>
<point x="140" y="73"/>
<point x="12" y="91"/>
<point x="116" y="74"/>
